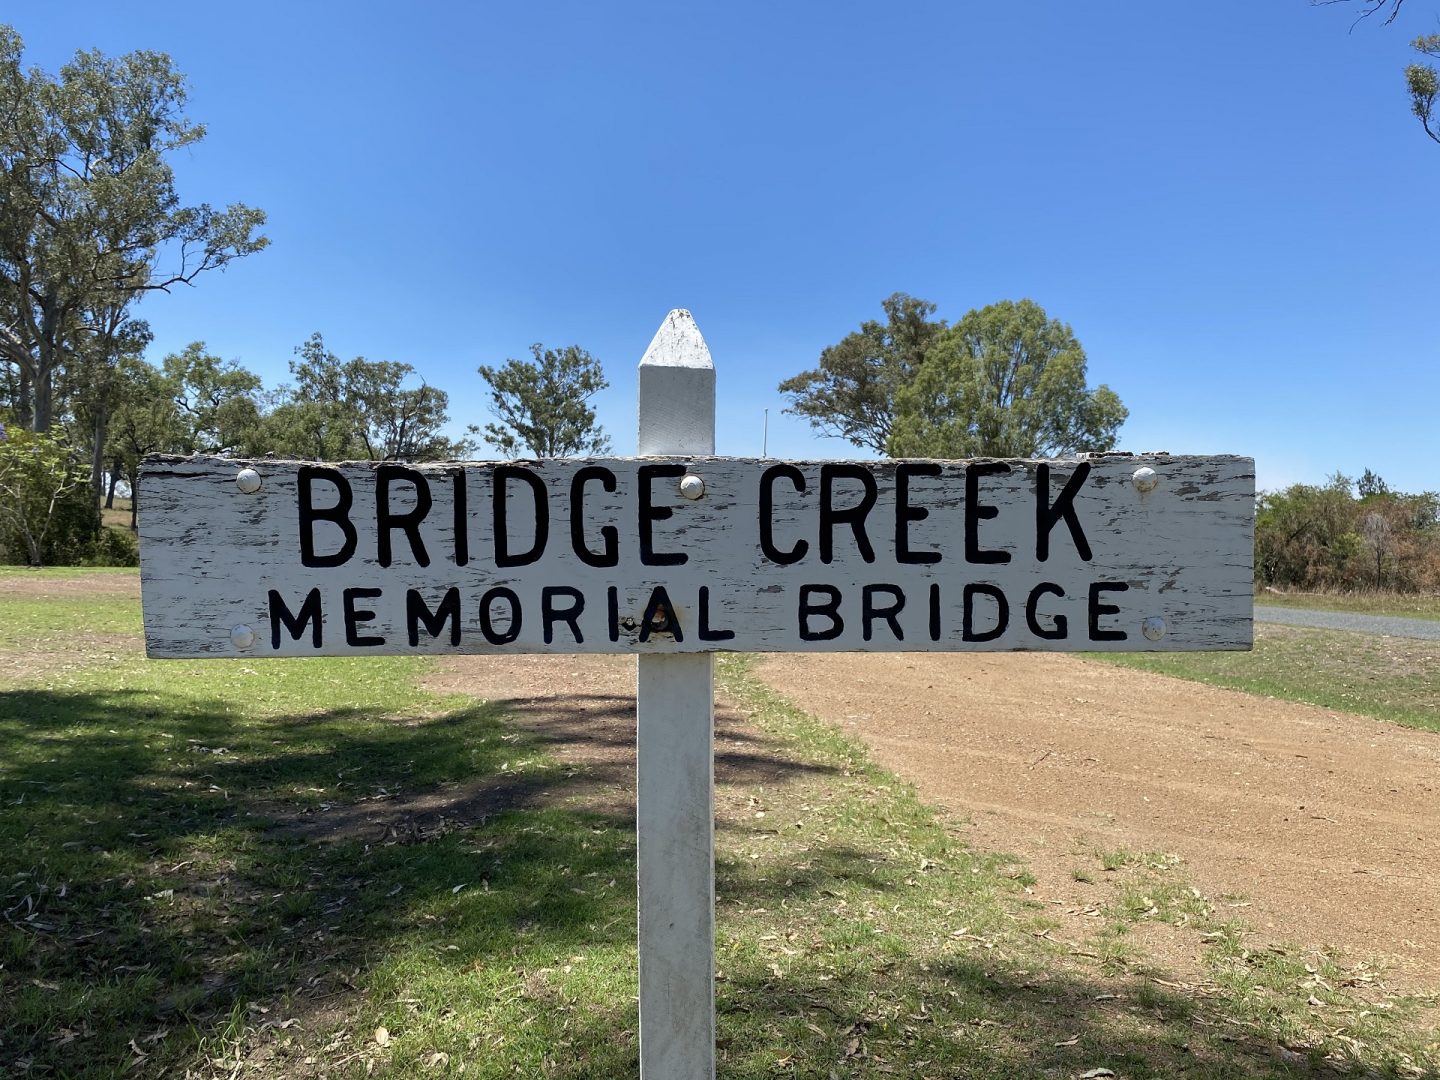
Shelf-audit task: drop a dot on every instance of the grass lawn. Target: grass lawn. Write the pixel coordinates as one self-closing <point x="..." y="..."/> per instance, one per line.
<point x="182" y="896"/>
<point x="1405" y="605"/>
<point x="118" y="516"/>
<point x="1396" y="679"/>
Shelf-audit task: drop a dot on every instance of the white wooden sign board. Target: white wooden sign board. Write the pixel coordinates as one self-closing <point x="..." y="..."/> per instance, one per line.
<point x="681" y="554"/>
<point x="674" y="556"/>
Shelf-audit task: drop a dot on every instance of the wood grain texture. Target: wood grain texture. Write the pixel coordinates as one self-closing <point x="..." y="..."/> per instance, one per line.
<point x="675" y="757"/>
<point x="211" y="556"/>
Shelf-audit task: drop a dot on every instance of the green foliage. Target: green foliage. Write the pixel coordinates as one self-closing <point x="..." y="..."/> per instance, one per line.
<point x="1005" y="381"/>
<point x="90" y="219"/>
<point x="1371" y="484"/>
<point x="40" y="479"/>
<point x="542" y="405"/>
<point x="356" y="409"/>
<point x="111" y="547"/>
<point x="1423" y="82"/>
<point x="215" y="402"/>
<point x="1323" y="537"/>
<point x="852" y="394"/>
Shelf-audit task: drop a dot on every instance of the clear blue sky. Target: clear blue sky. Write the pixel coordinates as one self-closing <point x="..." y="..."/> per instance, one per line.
<point x="1227" y="200"/>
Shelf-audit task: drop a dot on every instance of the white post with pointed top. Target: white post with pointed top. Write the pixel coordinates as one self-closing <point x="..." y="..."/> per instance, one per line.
<point x="675" y="801"/>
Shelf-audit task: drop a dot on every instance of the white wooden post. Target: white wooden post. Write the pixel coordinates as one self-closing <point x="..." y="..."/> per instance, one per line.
<point x="675" y="809"/>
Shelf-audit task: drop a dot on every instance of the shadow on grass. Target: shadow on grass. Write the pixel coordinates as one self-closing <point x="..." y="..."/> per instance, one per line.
<point x="966" y="1018"/>
<point x="165" y="861"/>
<point x="162" y="881"/>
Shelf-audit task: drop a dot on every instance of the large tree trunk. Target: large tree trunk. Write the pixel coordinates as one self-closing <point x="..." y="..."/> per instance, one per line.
<point x="43" y="396"/>
<point x="115" y="468"/>
<point x="135" y="501"/>
<point x="98" y="428"/>
<point x="45" y="362"/>
<point x="25" y="403"/>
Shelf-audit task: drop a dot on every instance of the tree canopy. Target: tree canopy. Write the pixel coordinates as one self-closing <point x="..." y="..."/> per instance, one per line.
<point x="542" y="405"/>
<point x="852" y="394"/>
<point x="90" y="219"/>
<point x="1343" y="536"/>
<point x="1004" y="381"/>
<point x="356" y="409"/>
<point x="1422" y="81"/>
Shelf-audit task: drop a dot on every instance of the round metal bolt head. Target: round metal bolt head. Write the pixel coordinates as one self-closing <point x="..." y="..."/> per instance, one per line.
<point x="248" y="481"/>
<point x="242" y="637"/>
<point x="1145" y="479"/>
<point x="691" y="486"/>
<point x="1153" y="627"/>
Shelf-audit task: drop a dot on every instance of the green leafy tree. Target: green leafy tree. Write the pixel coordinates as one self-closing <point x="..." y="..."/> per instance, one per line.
<point x="216" y="403"/>
<point x="90" y="221"/>
<point x="357" y="409"/>
<point x="1004" y="381"/>
<point x="542" y="405"/>
<point x="1422" y="81"/>
<point x="1307" y="535"/>
<point x="94" y="380"/>
<point x="1371" y="485"/>
<point x="147" y="420"/>
<point x="37" y="473"/>
<point x="852" y="394"/>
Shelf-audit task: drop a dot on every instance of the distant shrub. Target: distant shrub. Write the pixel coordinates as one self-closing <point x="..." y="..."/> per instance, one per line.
<point x="1325" y="538"/>
<point x="112" y="547"/>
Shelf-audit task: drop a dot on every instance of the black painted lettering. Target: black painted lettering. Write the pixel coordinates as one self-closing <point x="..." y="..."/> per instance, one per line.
<point x="854" y="516"/>
<point x="612" y="609"/>
<point x="767" y="514"/>
<point x="934" y="612"/>
<point x="650" y="513"/>
<point x="1002" y="612"/>
<point x="339" y="515"/>
<point x="487" y="621"/>
<point x="976" y="512"/>
<point x="503" y="475"/>
<point x="704" y="631"/>
<point x="870" y="610"/>
<point x="387" y="520"/>
<point x="462" y="520"/>
<point x="355" y="616"/>
<point x="1047" y="514"/>
<point x="1098" y="609"/>
<point x="1032" y="617"/>
<point x="905" y="513"/>
<point x="659" y="617"/>
<point x="309" y="613"/>
<point x="830" y="610"/>
<point x="570" y="616"/>
<point x="609" y="535"/>
<point x="418" y="613"/>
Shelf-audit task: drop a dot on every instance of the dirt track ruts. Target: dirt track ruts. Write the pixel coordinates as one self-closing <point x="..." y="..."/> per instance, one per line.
<point x="1326" y="823"/>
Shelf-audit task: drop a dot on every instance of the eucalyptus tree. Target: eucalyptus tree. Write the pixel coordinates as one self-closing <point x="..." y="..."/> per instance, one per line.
<point x="851" y="394"/>
<point x="542" y="405"/>
<point x="356" y="409"/>
<point x="1004" y="381"/>
<point x="1422" y="80"/>
<point x="90" y="219"/>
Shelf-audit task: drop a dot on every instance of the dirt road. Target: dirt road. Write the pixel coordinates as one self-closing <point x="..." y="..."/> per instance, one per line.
<point x="1326" y="824"/>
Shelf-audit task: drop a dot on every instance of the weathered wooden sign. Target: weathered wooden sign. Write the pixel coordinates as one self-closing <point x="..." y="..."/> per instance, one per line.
<point x="673" y="554"/>
<point x="660" y="555"/>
